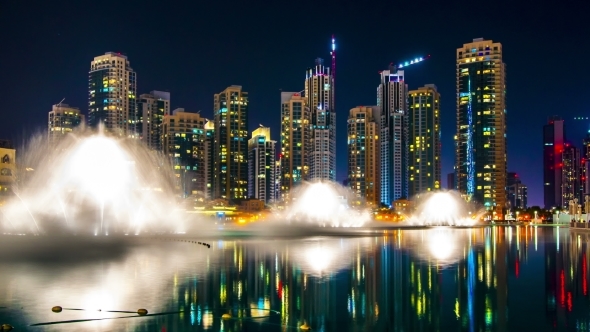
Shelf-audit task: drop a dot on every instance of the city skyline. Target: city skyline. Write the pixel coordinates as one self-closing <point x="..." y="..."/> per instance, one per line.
<point x="57" y="65"/>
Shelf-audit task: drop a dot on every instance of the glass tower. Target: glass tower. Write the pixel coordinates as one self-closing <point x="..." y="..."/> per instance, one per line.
<point x="480" y="141"/>
<point x="295" y="141"/>
<point x="424" y="140"/>
<point x="62" y="120"/>
<point x="363" y="154"/>
<point x="553" y="145"/>
<point x="111" y="95"/>
<point x="231" y="143"/>
<point x="151" y="109"/>
<point x="392" y="96"/>
<point x="320" y="99"/>
<point x="184" y="141"/>
<point x="261" y="165"/>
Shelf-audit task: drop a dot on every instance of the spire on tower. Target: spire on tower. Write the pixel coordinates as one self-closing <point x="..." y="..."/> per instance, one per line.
<point x="333" y="54"/>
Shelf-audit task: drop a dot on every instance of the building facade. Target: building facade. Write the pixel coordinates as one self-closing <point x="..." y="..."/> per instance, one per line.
<point x="210" y="162"/>
<point x="392" y="100"/>
<point x="517" y="192"/>
<point x="231" y="143"/>
<point x="320" y="99"/>
<point x="585" y="168"/>
<point x="62" y="120"/>
<point x="480" y="141"/>
<point x="7" y="170"/>
<point x="184" y="141"/>
<point x="451" y="181"/>
<point x="364" y="151"/>
<point x="424" y="140"/>
<point x="553" y="145"/>
<point x="112" y="92"/>
<point x="570" y="181"/>
<point x="152" y="108"/>
<point x="296" y="142"/>
<point x="261" y="166"/>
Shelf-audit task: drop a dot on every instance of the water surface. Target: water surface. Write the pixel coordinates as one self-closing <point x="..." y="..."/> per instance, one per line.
<point x="480" y="279"/>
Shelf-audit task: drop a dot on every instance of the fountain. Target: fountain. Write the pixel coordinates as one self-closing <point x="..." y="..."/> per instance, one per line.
<point x="325" y="204"/>
<point x="91" y="183"/>
<point x="443" y="208"/>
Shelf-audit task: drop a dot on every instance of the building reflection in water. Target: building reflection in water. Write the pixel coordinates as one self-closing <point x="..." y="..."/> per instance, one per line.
<point x="480" y="279"/>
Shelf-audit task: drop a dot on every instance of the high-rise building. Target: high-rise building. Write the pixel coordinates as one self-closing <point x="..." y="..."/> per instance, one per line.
<point x="480" y="141"/>
<point x="424" y="140"/>
<point x="517" y="191"/>
<point x="184" y="141"/>
<point x="451" y="181"/>
<point x="277" y="197"/>
<point x="231" y="143"/>
<point x="111" y="95"/>
<point x="7" y="169"/>
<point x="62" y="120"/>
<point x="585" y="168"/>
<point x="392" y="95"/>
<point x="295" y="141"/>
<point x="152" y="108"/>
<point x="364" y="152"/>
<point x="320" y="99"/>
<point x="553" y="145"/>
<point x="210" y="162"/>
<point x="570" y="182"/>
<point x="261" y="165"/>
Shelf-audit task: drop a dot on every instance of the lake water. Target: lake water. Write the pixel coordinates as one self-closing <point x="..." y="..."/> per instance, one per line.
<point x="480" y="279"/>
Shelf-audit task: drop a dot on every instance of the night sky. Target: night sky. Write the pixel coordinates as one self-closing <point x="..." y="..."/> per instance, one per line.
<point x="194" y="49"/>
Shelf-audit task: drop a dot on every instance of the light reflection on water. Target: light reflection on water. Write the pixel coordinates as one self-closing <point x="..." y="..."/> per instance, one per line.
<point x="492" y="278"/>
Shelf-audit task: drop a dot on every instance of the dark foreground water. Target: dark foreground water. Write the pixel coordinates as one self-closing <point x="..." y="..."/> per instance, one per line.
<point x="482" y="279"/>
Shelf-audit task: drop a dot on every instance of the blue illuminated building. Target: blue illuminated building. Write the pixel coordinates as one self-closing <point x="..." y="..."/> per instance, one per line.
<point x="480" y="142"/>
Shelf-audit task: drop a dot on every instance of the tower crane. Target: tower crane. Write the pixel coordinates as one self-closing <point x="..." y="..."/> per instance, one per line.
<point x="405" y="64"/>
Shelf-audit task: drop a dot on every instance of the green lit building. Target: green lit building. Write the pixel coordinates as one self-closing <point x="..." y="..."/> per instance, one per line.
<point x="231" y="143"/>
<point x="480" y="141"/>
<point x="424" y="140"/>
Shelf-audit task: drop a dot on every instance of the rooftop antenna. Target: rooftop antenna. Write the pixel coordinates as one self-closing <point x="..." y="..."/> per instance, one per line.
<point x="58" y="104"/>
<point x="333" y="54"/>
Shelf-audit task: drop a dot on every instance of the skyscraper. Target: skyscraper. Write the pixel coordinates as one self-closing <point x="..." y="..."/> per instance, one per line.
<point x="480" y="142"/>
<point x="517" y="192"/>
<point x="151" y="109"/>
<point x="392" y="100"/>
<point x="210" y="162"/>
<point x="184" y="141"/>
<point x="295" y="141"/>
<point x="62" y="120"/>
<point x="320" y="99"/>
<point x="231" y="143"/>
<point x="570" y="182"/>
<point x="585" y="168"/>
<point x="261" y="165"/>
<point x="111" y="94"/>
<point x="424" y="140"/>
<point x="364" y="154"/>
<point x="553" y="145"/>
<point x="451" y="181"/>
